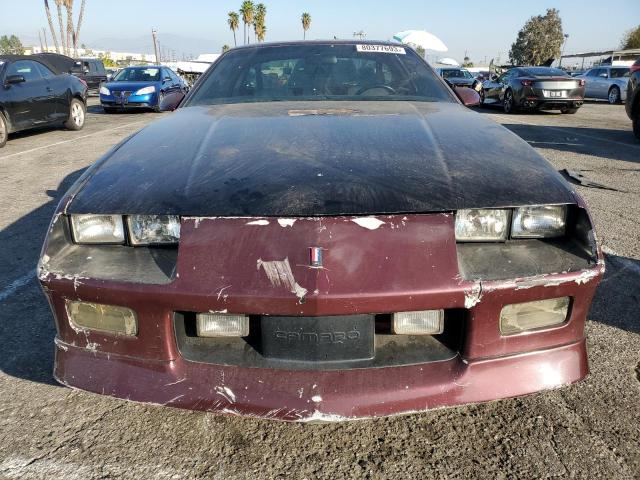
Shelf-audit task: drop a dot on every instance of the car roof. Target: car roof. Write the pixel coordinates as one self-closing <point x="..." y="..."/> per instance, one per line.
<point x="54" y="64"/>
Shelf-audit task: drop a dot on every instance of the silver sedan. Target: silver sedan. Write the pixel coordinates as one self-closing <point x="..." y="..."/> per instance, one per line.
<point x="607" y="83"/>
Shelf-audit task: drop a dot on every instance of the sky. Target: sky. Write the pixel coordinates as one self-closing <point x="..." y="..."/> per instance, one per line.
<point x="483" y="29"/>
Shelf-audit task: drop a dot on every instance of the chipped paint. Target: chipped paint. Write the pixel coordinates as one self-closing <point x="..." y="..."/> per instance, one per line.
<point x="227" y="393"/>
<point x="280" y="275"/>
<point x="370" y="223"/>
<point x="473" y="296"/>
<point x="286" y="222"/>
<point x="261" y="222"/>
<point x="316" y="398"/>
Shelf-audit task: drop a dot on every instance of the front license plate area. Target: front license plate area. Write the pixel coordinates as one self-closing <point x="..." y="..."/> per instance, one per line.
<point x="318" y="339"/>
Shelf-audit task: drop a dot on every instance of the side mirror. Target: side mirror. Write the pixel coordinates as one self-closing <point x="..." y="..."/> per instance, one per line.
<point x="171" y="101"/>
<point x="13" y="79"/>
<point x="468" y="96"/>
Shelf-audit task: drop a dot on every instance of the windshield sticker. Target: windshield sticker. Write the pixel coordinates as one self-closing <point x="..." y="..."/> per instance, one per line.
<point x="381" y="49"/>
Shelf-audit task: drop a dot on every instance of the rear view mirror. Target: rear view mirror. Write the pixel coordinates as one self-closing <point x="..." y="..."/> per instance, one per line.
<point x="468" y="96"/>
<point x="171" y="101"/>
<point x="13" y="79"/>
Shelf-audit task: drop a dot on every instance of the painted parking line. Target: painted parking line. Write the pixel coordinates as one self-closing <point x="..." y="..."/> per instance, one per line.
<point x="74" y="139"/>
<point x="564" y="132"/>
<point x="16" y="285"/>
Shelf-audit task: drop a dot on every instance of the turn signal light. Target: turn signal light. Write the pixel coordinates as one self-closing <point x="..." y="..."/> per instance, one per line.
<point x="102" y="318"/>
<point x="222" y="325"/>
<point x="521" y="317"/>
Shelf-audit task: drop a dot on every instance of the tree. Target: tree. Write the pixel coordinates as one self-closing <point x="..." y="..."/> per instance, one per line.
<point x="50" y="20"/>
<point x="59" y="4"/>
<point x="225" y="48"/>
<point x="234" y="23"/>
<point x="76" y="34"/>
<point x="420" y="51"/>
<point x="631" y="39"/>
<point x="467" y="63"/>
<point x="11" y="45"/>
<point x="539" y="40"/>
<point x="247" y="11"/>
<point x="258" y="23"/>
<point x="306" y="23"/>
<point x="70" y="40"/>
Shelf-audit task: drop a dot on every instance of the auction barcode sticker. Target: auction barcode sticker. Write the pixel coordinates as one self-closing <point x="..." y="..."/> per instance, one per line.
<point x="380" y="49"/>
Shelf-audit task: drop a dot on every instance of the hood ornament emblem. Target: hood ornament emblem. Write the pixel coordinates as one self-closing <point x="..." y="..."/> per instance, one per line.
<point x="315" y="257"/>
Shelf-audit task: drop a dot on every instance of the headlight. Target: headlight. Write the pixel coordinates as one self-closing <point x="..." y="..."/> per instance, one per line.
<point x="104" y="91"/>
<point x="539" y="222"/>
<point x="146" y="90"/>
<point x="482" y="225"/>
<point x="154" y="229"/>
<point x="97" y="228"/>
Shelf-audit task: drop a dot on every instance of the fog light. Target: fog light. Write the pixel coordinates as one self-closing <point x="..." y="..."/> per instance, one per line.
<point x="520" y="317"/>
<point x="222" y="325"/>
<point x="426" y="322"/>
<point x="103" y="318"/>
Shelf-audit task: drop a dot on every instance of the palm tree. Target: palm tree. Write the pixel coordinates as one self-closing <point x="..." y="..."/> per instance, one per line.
<point x="247" y="12"/>
<point x="59" y="4"/>
<point x="69" y="6"/>
<point x="234" y="22"/>
<point x="53" y="30"/>
<point x="260" y="16"/>
<point x="261" y="31"/>
<point x="76" y="38"/>
<point x="306" y="23"/>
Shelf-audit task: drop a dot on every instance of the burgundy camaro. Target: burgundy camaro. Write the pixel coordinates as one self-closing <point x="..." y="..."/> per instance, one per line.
<point x="321" y="231"/>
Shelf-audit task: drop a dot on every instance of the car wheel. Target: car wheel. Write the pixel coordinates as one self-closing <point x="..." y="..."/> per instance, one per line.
<point x="508" y="103"/>
<point x="614" y="95"/>
<point x="636" y="127"/>
<point x="4" y="131"/>
<point x="77" y="111"/>
<point x="160" y="98"/>
<point x="569" y="110"/>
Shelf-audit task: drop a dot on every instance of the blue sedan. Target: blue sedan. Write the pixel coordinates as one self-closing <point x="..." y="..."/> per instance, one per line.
<point x="139" y="87"/>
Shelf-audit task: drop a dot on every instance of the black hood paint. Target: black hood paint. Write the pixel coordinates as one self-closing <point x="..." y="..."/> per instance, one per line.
<point x="319" y="158"/>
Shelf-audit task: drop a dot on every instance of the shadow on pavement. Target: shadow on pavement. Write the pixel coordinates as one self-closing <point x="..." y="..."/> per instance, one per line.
<point x="26" y="326"/>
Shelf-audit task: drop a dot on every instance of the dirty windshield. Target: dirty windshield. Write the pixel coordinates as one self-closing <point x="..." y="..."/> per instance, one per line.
<point x="319" y="72"/>
<point x="144" y="74"/>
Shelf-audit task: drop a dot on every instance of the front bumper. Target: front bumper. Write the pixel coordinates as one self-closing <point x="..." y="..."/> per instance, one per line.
<point x="133" y="101"/>
<point x="380" y="270"/>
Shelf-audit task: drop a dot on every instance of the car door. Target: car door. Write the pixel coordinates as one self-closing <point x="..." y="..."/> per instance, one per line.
<point x="503" y="83"/>
<point x="58" y="85"/>
<point x="600" y="83"/>
<point x="492" y="88"/>
<point x="30" y="102"/>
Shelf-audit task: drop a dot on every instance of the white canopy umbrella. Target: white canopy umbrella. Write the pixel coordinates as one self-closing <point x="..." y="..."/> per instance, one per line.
<point x="421" y="38"/>
<point x="448" y="61"/>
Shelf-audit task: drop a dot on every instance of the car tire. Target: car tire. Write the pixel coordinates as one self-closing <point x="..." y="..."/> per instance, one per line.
<point x="160" y="98"/>
<point x="508" y="103"/>
<point x="481" y="93"/>
<point x="614" y="95"/>
<point x="77" y="115"/>
<point x="570" y="111"/>
<point x="4" y="131"/>
<point x="109" y="109"/>
<point x="636" y="126"/>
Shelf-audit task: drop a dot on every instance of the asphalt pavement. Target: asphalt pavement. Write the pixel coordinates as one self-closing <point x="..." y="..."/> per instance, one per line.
<point x="587" y="430"/>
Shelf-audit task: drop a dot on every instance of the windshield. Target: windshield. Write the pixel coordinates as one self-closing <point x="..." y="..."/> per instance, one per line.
<point x="138" y="75"/>
<point x="319" y="72"/>
<point x="456" y="73"/>
<point x="620" y="72"/>
<point x="544" y="72"/>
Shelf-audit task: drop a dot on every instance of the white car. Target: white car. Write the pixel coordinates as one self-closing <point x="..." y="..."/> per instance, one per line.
<point x="607" y="83"/>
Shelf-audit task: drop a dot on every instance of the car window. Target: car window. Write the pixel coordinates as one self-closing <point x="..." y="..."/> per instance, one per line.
<point x="26" y="68"/>
<point x="322" y="71"/>
<point x="602" y="73"/>
<point x="620" y="72"/>
<point x="455" y="73"/>
<point x="44" y="71"/>
<point x="544" y="72"/>
<point x="143" y="74"/>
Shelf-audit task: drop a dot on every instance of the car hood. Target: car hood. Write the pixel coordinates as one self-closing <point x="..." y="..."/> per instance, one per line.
<point x="318" y="158"/>
<point x="133" y="86"/>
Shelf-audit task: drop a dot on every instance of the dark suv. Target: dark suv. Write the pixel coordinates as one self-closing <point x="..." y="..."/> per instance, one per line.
<point x="92" y="71"/>
<point x="633" y="97"/>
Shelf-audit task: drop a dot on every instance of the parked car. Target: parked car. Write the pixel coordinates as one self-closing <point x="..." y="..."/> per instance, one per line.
<point x="35" y="93"/>
<point x="321" y="231"/>
<point x="609" y="83"/>
<point x="140" y="87"/>
<point x="632" y="104"/>
<point x="460" y="77"/>
<point x="92" y="71"/>
<point x="534" y="88"/>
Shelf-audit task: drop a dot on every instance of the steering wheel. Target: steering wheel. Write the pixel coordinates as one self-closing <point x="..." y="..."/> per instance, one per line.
<point x="384" y="87"/>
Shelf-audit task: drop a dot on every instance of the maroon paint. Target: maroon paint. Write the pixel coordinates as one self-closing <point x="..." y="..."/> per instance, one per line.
<point x="408" y="263"/>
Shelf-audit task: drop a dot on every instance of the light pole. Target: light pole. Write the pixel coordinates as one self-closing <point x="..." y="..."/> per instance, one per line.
<point x="566" y="37"/>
